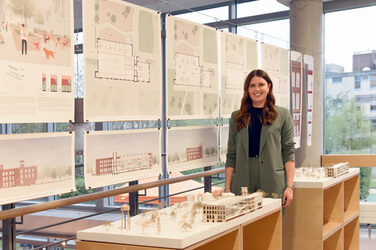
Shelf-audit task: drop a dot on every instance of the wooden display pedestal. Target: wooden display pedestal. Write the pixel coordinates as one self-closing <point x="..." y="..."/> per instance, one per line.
<point x="324" y="214"/>
<point x="261" y="230"/>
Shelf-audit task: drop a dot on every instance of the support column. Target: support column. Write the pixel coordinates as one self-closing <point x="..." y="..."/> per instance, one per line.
<point x="306" y="36"/>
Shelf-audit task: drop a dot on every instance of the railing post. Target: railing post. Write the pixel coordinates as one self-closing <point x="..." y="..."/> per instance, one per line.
<point x="9" y="230"/>
<point x="207" y="181"/>
<point x="133" y="200"/>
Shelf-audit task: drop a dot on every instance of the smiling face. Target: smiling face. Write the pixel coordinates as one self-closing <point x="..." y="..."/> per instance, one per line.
<point x="258" y="90"/>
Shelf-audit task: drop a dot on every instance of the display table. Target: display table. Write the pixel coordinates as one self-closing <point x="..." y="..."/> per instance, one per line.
<point x="261" y="229"/>
<point x="324" y="214"/>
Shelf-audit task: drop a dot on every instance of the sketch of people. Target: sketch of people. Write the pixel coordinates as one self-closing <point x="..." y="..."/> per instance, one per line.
<point x="24" y="39"/>
<point x="6" y="26"/>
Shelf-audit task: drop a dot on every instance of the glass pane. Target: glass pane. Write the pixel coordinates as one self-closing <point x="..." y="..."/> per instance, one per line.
<point x="260" y="7"/>
<point x="207" y="16"/>
<point x="275" y="32"/>
<point x="350" y="101"/>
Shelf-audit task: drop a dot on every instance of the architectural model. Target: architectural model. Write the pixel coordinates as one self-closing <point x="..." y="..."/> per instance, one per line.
<point x="323" y="172"/>
<point x="230" y="207"/>
<point x="337" y="169"/>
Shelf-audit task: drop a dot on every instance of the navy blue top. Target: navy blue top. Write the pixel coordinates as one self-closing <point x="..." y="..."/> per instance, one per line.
<point x="254" y="131"/>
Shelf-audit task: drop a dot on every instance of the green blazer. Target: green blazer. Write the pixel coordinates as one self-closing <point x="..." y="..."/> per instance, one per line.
<point x="276" y="148"/>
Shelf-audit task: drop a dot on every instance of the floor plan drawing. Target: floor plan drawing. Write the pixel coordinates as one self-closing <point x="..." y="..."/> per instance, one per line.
<point x="192" y="69"/>
<point x="275" y="61"/>
<point x="117" y="62"/>
<point x="239" y="56"/>
<point x="122" y="60"/>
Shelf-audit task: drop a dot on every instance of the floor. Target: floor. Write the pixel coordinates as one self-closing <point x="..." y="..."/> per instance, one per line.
<point x="366" y="241"/>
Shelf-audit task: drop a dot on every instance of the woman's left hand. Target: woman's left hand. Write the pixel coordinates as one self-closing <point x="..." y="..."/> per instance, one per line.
<point x="288" y="196"/>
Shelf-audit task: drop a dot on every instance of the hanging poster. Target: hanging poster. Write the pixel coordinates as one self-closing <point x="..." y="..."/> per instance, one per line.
<point x="297" y="92"/>
<point x="192" y="70"/>
<point x="35" y="165"/>
<point x="224" y="131"/>
<point x="308" y="71"/>
<point x="191" y="147"/>
<point x="36" y="61"/>
<point x="275" y="61"/>
<point x="122" y="61"/>
<point x="239" y="56"/>
<point x="113" y="157"/>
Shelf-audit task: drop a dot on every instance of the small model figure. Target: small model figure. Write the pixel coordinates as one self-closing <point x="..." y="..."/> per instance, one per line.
<point x="124" y="215"/>
<point x="244" y="191"/>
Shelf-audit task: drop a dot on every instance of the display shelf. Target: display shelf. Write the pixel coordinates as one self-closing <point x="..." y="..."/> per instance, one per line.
<point x="322" y="210"/>
<point x="333" y="210"/>
<point x="351" y="198"/>
<point x="351" y="235"/>
<point x="238" y="233"/>
<point x="334" y="242"/>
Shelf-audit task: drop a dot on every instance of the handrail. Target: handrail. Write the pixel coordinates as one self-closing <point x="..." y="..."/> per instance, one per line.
<point x="12" y="213"/>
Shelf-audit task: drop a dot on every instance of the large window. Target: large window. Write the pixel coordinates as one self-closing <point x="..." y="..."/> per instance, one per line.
<point x="350" y="125"/>
<point x="260" y="7"/>
<point x="207" y="16"/>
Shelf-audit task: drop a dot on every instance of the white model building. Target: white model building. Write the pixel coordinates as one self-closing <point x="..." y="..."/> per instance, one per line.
<point x="230" y="207"/>
<point x="337" y="169"/>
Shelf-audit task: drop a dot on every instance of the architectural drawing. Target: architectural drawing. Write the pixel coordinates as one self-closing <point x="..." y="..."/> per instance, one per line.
<point x="36" y="165"/>
<point x="117" y="62"/>
<point x="21" y="176"/>
<point x="308" y="76"/>
<point x="191" y="147"/>
<point x="108" y="160"/>
<point x="297" y="91"/>
<point x="239" y="56"/>
<point x="122" y="56"/>
<point x="192" y="69"/>
<point x="36" y="46"/>
<point x="275" y="61"/>
<point x="125" y="163"/>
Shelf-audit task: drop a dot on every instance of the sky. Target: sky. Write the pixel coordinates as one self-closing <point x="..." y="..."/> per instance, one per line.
<point x="345" y="32"/>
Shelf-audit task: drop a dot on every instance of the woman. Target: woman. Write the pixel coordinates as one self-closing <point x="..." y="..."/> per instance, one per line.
<point x="261" y="154"/>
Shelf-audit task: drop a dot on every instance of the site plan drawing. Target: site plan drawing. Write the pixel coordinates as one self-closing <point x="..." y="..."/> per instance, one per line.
<point x="36" y="165"/>
<point x="191" y="147"/>
<point x="113" y="157"/>
<point x="239" y="56"/>
<point x="122" y="60"/>
<point x="275" y="61"/>
<point x="192" y="69"/>
<point x="36" y="61"/>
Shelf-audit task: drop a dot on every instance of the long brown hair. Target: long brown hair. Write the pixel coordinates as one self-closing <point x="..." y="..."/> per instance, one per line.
<point x="269" y="113"/>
